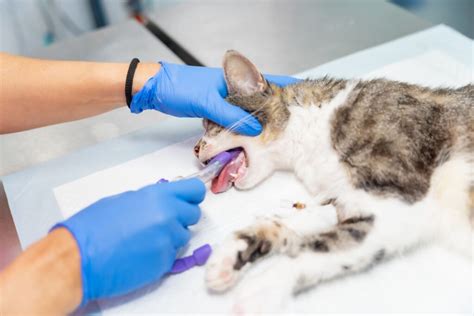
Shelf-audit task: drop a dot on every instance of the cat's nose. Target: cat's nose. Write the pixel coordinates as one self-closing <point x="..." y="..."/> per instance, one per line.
<point x="197" y="148"/>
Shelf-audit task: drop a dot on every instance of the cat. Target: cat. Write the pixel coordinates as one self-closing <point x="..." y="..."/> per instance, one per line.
<point x="395" y="160"/>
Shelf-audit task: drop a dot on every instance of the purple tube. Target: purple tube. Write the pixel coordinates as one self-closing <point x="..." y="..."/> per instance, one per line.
<point x="226" y="156"/>
<point x="198" y="258"/>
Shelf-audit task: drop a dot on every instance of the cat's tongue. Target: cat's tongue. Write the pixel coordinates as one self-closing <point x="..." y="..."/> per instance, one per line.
<point x="231" y="172"/>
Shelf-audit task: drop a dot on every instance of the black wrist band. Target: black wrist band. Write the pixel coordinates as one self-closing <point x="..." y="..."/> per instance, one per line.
<point x="129" y="80"/>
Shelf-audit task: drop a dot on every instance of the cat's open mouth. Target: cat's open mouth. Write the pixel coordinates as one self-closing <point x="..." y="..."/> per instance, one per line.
<point x="234" y="170"/>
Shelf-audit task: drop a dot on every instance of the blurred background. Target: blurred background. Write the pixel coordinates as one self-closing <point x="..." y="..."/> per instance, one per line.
<point x="29" y="24"/>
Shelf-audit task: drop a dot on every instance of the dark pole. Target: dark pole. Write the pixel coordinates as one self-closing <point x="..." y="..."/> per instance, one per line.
<point x="98" y="13"/>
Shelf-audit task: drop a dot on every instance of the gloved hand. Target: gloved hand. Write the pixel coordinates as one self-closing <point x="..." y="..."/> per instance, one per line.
<point x="131" y="239"/>
<point x="189" y="91"/>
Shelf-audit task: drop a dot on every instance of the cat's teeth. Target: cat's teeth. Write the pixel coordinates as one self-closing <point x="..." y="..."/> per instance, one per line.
<point x="233" y="175"/>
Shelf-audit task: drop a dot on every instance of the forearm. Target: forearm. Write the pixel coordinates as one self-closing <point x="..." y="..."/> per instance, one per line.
<point x="36" y="92"/>
<point x="45" y="279"/>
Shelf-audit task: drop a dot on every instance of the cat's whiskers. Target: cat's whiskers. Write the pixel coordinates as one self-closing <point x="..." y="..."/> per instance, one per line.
<point x="229" y="130"/>
<point x="239" y="123"/>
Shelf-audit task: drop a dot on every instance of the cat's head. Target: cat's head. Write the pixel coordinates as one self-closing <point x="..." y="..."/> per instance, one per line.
<point x="249" y="90"/>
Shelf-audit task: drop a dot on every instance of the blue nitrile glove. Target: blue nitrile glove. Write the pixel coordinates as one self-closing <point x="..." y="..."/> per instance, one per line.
<point x="190" y="91"/>
<point x="131" y="239"/>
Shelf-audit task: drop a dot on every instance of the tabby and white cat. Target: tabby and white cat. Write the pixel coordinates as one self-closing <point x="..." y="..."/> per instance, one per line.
<point x="395" y="160"/>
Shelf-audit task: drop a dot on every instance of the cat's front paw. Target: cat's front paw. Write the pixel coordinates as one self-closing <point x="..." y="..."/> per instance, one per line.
<point x="245" y="246"/>
<point x="220" y="271"/>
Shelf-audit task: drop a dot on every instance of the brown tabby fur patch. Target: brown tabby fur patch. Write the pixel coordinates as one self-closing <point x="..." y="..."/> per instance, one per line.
<point x="392" y="135"/>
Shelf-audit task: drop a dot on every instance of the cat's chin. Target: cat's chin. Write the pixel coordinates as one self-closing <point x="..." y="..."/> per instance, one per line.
<point x="244" y="186"/>
<point x="245" y="183"/>
<point x="248" y="181"/>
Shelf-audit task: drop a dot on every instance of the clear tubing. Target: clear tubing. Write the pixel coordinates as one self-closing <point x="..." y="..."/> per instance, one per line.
<point x="207" y="173"/>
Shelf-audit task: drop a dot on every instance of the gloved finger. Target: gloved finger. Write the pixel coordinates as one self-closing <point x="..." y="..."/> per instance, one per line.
<point x="232" y="117"/>
<point x="141" y="100"/>
<point x="181" y="235"/>
<point x="188" y="214"/>
<point x="281" y="80"/>
<point x="190" y="190"/>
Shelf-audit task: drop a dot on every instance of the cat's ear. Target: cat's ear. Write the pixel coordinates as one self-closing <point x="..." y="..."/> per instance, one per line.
<point x="241" y="76"/>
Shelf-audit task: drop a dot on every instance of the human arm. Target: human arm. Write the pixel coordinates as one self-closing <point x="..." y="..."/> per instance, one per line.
<point x="44" y="279"/>
<point x="114" y="246"/>
<point x="37" y="92"/>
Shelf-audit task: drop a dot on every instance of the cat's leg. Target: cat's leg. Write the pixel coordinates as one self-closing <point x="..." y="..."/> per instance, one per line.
<point x="351" y="246"/>
<point x="265" y="237"/>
